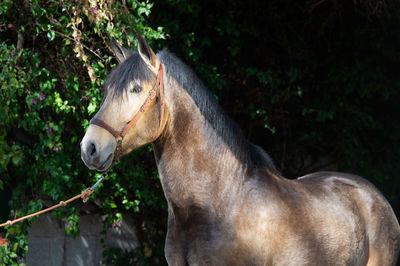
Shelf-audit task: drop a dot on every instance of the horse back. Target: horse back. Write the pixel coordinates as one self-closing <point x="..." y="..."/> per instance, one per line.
<point x="359" y="201"/>
<point x="324" y="218"/>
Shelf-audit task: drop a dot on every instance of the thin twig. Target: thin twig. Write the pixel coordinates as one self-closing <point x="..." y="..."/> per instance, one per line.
<point x="125" y="8"/>
<point x="315" y="5"/>
<point x="84" y="46"/>
<point x="72" y="39"/>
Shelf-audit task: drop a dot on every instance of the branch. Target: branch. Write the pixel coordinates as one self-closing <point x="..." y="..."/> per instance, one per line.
<point x="20" y="40"/>
<point x="84" y="46"/>
<point x="72" y="39"/>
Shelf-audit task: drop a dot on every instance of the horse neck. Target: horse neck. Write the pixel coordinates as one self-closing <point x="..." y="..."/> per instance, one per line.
<point x="196" y="166"/>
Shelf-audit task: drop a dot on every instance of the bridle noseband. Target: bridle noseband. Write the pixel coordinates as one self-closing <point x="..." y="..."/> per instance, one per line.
<point x="119" y="135"/>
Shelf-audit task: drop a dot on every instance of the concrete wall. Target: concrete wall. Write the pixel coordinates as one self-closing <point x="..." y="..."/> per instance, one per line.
<point x="48" y="244"/>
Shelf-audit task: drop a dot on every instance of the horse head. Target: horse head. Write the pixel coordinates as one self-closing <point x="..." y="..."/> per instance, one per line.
<point x="132" y="112"/>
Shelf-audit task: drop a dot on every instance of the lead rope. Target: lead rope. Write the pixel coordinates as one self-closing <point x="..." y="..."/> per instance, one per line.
<point x="84" y="195"/>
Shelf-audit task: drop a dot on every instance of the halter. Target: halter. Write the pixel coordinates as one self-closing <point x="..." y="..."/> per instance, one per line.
<point x="119" y="135"/>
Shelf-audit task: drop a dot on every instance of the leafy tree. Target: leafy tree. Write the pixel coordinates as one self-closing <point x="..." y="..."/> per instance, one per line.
<point x="55" y="57"/>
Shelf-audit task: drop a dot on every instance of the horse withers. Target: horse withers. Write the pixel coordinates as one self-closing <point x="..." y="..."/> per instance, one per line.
<point x="227" y="203"/>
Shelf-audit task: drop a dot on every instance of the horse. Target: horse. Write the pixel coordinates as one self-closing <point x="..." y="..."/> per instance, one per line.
<point x="227" y="203"/>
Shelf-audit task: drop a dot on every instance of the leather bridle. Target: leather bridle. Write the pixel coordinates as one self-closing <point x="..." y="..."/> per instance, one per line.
<point x="119" y="135"/>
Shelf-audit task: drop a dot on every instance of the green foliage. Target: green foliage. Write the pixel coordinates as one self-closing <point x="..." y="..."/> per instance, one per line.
<point x="10" y="252"/>
<point x="55" y="57"/>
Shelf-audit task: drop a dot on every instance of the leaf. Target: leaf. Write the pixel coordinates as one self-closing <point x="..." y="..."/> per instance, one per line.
<point x="91" y="108"/>
<point x="51" y="35"/>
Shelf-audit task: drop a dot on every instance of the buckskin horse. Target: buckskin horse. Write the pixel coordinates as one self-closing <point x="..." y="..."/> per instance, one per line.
<point x="227" y="203"/>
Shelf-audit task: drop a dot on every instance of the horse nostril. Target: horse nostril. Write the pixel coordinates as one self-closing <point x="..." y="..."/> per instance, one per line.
<point x="92" y="149"/>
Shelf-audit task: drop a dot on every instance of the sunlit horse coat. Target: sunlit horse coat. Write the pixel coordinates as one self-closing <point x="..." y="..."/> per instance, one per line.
<point x="227" y="204"/>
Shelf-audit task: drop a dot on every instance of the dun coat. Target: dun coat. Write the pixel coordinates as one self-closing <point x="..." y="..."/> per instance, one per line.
<point x="227" y="203"/>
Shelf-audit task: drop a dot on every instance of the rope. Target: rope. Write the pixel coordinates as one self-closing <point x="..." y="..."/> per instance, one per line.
<point x="84" y="195"/>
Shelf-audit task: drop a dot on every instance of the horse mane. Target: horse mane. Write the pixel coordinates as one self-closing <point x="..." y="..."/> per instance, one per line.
<point x="225" y="127"/>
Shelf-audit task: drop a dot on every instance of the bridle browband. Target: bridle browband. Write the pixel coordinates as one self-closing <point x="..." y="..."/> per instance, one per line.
<point x="119" y="135"/>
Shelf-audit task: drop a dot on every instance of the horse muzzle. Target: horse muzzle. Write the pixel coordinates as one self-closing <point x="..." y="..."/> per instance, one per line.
<point x="96" y="154"/>
<point x="93" y="159"/>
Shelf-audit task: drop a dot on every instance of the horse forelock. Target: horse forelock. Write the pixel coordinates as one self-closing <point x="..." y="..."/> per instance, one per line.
<point x="131" y="70"/>
<point x="225" y="127"/>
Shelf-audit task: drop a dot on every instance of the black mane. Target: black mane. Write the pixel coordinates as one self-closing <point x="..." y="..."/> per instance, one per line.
<point x="225" y="127"/>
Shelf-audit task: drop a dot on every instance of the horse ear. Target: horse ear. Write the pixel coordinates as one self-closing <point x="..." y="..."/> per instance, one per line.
<point x="147" y="54"/>
<point x="120" y="52"/>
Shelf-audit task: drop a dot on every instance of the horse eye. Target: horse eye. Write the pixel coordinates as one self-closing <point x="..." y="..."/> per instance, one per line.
<point x="136" y="89"/>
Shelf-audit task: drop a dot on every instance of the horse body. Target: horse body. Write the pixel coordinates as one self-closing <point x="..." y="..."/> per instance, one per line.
<point x="272" y="221"/>
<point x="227" y="204"/>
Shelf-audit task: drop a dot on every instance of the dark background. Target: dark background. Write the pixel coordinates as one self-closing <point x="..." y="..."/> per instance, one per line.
<point x="315" y="83"/>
